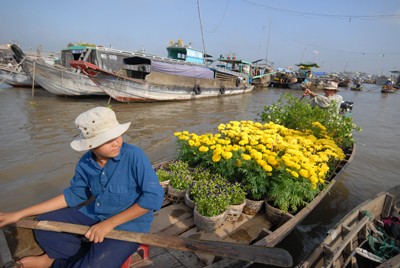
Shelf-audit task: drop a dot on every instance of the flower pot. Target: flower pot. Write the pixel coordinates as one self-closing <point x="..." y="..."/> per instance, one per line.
<point x="175" y="195"/>
<point x="208" y="223"/>
<point x="252" y="207"/>
<point x="234" y="211"/>
<point x="188" y="202"/>
<point x="275" y="215"/>
<point x="164" y="185"/>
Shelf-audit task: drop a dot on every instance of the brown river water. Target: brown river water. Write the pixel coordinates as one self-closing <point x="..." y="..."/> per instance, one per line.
<point x="37" y="161"/>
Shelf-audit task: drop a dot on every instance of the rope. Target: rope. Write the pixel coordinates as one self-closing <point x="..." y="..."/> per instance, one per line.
<point x="381" y="244"/>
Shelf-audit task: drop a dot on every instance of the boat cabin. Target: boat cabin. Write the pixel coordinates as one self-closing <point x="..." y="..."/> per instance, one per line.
<point x="106" y="58"/>
<point x="186" y="54"/>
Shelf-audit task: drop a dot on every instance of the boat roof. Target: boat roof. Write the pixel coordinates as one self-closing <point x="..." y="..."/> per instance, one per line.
<point x="187" y="54"/>
<point x="236" y="61"/>
<point x="308" y="64"/>
<point x="79" y="47"/>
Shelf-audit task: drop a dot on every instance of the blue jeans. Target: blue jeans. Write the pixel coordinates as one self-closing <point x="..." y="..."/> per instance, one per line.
<point x="73" y="251"/>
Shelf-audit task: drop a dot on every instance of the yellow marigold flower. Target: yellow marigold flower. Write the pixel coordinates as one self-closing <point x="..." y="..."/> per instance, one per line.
<point x="253" y="142"/>
<point x="216" y="158"/>
<point x="203" y="149"/>
<point x="183" y="137"/>
<point x="314" y="179"/>
<point x="176" y="134"/>
<point x="227" y="155"/>
<point x="304" y="173"/>
<point x="246" y="157"/>
<point x="238" y="163"/>
<point x="243" y="142"/>
<point x="294" y="174"/>
<point x="319" y="125"/>
<point x="272" y="161"/>
<point x="191" y="142"/>
<point x="313" y="186"/>
<point x="267" y="167"/>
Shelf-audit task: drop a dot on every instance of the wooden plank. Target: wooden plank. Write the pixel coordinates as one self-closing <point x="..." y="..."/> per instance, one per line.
<point x="387" y="206"/>
<point x="274" y="256"/>
<point x="168" y="216"/>
<point x="243" y="231"/>
<point x="392" y="263"/>
<point x="349" y="237"/>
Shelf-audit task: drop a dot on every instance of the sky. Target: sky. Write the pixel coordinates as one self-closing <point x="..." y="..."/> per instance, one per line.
<point x="339" y="35"/>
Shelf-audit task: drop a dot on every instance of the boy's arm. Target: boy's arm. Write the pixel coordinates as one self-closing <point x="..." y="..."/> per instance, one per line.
<point x="97" y="232"/>
<point x="55" y="203"/>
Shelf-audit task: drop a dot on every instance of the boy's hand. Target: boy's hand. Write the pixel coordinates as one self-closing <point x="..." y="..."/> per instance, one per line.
<point x="9" y="218"/>
<point x="97" y="232"/>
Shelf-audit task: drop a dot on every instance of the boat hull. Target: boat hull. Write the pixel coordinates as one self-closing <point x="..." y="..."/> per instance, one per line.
<point x="344" y="242"/>
<point x="59" y="80"/>
<point x="175" y="219"/>
<point x="159" y="86"/>
<point x="15" y="77"/>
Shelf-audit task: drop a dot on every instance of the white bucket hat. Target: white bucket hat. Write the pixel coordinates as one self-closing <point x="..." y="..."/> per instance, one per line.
<point x="97" y="126"/>
<point x="331" y="86"/>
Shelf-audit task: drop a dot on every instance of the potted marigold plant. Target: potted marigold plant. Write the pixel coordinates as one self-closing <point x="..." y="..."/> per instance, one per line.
<point x="257" y="154"/>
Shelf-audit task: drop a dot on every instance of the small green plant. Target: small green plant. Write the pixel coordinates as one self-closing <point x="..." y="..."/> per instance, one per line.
<point x="237" y="194"/>
<point x="211" y="196"/>
<point x="181" y="176"/>
<point x="163" y="174"/>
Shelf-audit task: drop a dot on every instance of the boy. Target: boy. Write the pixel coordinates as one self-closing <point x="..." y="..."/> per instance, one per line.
<point x="119" y="189"/>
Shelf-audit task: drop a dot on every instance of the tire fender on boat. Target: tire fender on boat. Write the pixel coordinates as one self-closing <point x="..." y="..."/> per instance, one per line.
<point x="197" y="90"/>
<point x="237" y="81"/>
<point x="222" y="90"/>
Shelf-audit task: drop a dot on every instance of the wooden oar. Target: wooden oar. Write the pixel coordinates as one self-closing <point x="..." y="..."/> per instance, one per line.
<point x="250" y="253"/>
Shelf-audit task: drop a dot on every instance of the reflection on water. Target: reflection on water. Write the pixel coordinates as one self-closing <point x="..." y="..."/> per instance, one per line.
<point x="37" y="161"/>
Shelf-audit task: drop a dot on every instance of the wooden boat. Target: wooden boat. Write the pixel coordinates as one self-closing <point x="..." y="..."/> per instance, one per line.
<point x="348" y="243"/>
<point x="61" y="79"/>
<point x="181" y="76"/>
<point x="344" y="82"/>
<point x="283" y="79"/>
<point x="262" y="73"/>
<point x="355" y="88"/>
<point x="388" y="89"/>
<point x="175" y="221"/>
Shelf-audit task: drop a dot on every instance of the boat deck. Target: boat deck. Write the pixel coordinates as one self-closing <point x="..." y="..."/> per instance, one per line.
<point x="176" y="219"/>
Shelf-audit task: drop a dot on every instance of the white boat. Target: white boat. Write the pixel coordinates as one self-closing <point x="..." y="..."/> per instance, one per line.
<point x="61" y="79"/>
<point x="181" y="76"/>
<point x="13" y="75"/>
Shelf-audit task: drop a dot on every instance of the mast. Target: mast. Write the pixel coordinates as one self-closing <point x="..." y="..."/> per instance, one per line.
<point x="269" y="32"/>
<point x="202" y="36"/>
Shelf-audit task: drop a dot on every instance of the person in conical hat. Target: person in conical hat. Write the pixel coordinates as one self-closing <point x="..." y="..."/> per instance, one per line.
<point x="114" y="187"/>
<point x="329" y="98"/>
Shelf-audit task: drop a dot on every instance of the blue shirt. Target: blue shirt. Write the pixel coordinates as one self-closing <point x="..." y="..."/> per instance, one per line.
<point x="126" y="179"/>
